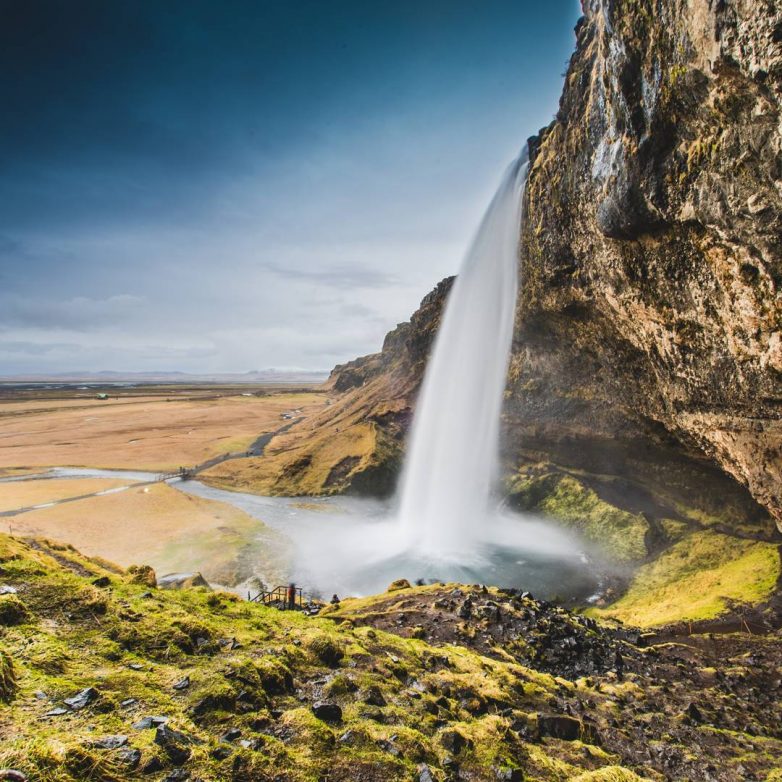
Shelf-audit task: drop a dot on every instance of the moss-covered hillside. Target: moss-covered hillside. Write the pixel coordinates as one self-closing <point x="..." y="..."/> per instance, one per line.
<point x="105" y="677"/>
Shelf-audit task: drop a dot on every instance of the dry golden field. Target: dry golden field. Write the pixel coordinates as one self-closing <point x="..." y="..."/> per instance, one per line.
<point x="156" y="433"/>
<point x="25" y="494"/>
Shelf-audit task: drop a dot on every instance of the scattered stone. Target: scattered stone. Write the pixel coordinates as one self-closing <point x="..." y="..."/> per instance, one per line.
<point x="453" y="741"/>
<point x="152" y="765"/>
<point x="221" y="752"/>
<point x="145" y="723"/>
<point x="559" y="726"/>
<point x="128" y="702"/>
<point x="425" y="773"/>
<point x="347" y="737"/>
<point x="6" y="589"/>
<point x="374" y="697"/>
<point x="101" y="581"/>
<point x="694" y="713"/>
<point x="327" y="711"/>
<point x="254" y="744"/>
<point x="231" y="735"/>
<point x="58" y="712"/>
<point x="82" y="699"/>
<point x="174" y="744"/>
<point x="130" y="757"/>
<point x="110" y="742"/>
<point x="182" y="684"/>
<point x="465" y="609"/>
<point x="136" y="667"/>
<point x="177" y="775"/>
<point x="509" y="775"/>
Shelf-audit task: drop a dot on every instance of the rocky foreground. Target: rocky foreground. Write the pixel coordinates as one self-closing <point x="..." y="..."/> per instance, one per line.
<point x="104" y="676"/>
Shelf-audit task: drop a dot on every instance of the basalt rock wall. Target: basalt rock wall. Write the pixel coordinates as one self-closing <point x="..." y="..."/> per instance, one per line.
<point x="649" y="329"/>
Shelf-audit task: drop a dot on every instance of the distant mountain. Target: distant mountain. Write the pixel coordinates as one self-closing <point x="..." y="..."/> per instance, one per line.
<point x="109" y="376"/>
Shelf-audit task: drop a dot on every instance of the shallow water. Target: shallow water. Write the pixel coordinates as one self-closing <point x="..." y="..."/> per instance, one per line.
<point x="354" y="546"/>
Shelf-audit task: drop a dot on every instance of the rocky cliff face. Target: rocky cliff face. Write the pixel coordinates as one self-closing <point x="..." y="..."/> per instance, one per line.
<point x="650" y="317"/>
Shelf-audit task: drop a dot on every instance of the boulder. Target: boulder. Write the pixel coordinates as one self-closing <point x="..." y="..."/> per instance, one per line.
<point x="327" y="711"/>
<point x="82" y="699"/>
<point x="183" y="581"/>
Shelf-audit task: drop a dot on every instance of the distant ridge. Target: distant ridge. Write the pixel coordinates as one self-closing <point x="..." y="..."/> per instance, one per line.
<point x="256" y="376"/>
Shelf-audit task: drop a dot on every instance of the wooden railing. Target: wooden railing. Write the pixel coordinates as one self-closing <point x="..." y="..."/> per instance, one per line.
<point x="280" y="597"/>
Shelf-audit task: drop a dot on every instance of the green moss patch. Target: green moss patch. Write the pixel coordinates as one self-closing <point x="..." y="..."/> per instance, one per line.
<point x="698" y="578"/>
<point x="617" y="532"/>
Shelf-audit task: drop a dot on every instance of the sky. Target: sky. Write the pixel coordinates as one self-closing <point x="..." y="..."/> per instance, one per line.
<point x="232" y="185"/>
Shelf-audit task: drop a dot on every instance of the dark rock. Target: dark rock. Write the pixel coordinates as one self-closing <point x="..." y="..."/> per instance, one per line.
<point x="152" y="765"/>
<point x="129" y="757"/>
<point x="174" y="744"/>
<point x="102" y="581"/>
<point x="221" y="753"/>
<point x="327" y="711"/>
<point x="145" y="723"/>
<point x="509" y="775"/>
<point x="425" y="773"/>
<point x="177" y="775"/>
<point x="374" y="697"/>
<point x="110" y="742"/>
<point x="453" y="741"/>
<point x="559" y="726"/>
<point x="231" y="735"/>
<point x="182" y="684"/>
<point x="82" y="699"/>
<point x="465" y="609"/>
<point x="255" y="744"/>
<point x="694" y="713"/>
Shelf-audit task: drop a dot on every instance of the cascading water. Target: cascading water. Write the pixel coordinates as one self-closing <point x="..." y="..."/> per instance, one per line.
<point x="447" y="479"/>
<point x="446" y="525"/>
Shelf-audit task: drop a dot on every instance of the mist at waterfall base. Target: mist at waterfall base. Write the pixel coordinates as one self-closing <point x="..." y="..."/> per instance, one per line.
<point x="447" y="524"/>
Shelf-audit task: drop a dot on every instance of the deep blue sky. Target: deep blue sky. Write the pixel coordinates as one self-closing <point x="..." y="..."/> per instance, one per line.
<point x="239" y="184"/>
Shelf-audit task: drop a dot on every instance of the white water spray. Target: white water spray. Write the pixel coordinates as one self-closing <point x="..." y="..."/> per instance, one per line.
<point x="447" y="525"/>
<point x="452" y="462"/>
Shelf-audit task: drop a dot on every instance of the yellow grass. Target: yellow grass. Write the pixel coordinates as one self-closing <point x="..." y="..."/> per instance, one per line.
<point x="23" y="494"/>
<point x="148" y="435"/>
<point x="698" y="578"/>
<point x="155" y="525"/>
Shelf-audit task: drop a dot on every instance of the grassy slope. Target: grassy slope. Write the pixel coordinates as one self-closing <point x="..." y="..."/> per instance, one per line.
<point x="698" y="578"/>
<point x="64" y="634"/>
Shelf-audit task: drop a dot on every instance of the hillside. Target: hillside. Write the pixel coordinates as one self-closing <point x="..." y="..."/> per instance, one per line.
<point x="105" y="677"/>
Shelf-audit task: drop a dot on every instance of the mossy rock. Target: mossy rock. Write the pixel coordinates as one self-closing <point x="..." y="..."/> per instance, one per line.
<point x="12" y="610"/>
<point x="142" y="574"/>
<point x="326" y="649"/>
<point x="7" y="677"/>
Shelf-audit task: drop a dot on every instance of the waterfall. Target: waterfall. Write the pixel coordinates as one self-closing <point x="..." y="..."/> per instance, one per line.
<point x="452" y="458"/>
